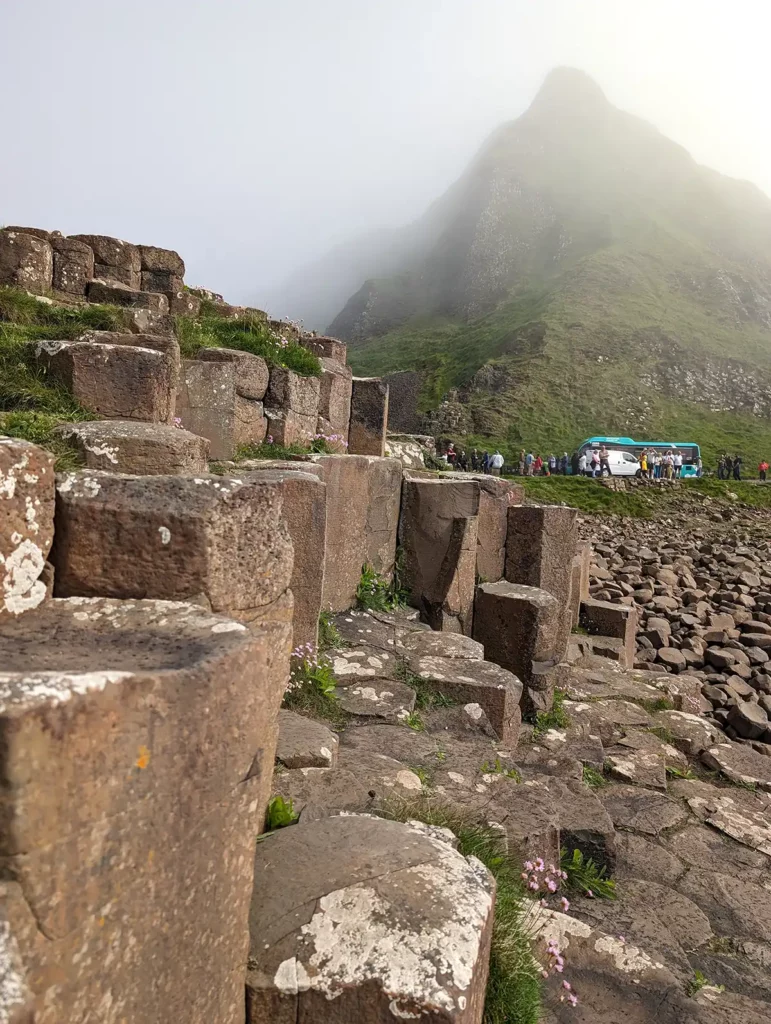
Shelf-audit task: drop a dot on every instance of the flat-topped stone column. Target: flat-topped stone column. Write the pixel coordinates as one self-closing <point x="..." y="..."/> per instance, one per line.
<point x="369" y="416"/>
<point x="540" y="547"/>
<point x="123" y="446"/>
<point x="520" y="629"/>
<point x="26" y="261"/>
<point x="138" y="741"/>
<point x="26" y="524"/>
<point x="613" y="620"/>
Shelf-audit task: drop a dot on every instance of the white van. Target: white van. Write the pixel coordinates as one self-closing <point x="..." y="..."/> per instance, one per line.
<point x="623" y="464"/>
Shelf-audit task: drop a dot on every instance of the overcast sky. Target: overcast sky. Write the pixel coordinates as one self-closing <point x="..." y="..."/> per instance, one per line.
<point x="252" y="135"/>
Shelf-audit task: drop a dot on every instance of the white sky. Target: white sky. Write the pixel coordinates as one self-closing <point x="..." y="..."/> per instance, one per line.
<point x="251" y="135"/>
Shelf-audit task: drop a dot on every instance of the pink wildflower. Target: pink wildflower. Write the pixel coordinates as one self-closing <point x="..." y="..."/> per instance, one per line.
<point x="565" y="904"/>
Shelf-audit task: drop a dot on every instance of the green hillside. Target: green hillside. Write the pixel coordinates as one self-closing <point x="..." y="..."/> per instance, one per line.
<point x="585" y="276"/>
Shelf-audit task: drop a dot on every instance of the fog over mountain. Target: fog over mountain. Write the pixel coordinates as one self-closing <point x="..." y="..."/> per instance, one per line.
<point x="255" y="137"/>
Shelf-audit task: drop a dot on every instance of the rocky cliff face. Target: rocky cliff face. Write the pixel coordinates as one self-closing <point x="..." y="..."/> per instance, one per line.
<point x="582" y="228"/>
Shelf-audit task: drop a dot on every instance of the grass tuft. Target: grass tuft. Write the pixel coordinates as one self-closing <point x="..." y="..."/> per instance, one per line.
<point x="556" y="718"/>
<point x="586" y="877"/>
<point x="592" y="778"/>
<point x="378" y="594"/>
<point x="329" y="635"/>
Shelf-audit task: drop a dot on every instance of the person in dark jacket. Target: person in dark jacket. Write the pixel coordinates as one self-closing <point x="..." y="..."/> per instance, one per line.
<point x="574" y="467"/>
<point x="737" y="467"/>
<point x="474" y="459"/>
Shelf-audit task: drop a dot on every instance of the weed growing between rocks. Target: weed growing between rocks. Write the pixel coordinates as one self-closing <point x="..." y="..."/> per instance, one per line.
<point x="312" y="686"/>
<point x="675" y="772"/>
<point x="514" y="984"/>
<point x="248" y="333"/>
<point x="280" y="814"/>
<point x="375" y="593"/>
<point x="584" y="876"/>
<point x="320" y="444"/>
<point x="497" y="767"/>
<point x="329" y="635"/>
<point x="556" y="718"/>
<point x="426" y="695"/>
<point x="592" y="778"/>
<point x="700" y="981"/>
<point x="413" y="721"/>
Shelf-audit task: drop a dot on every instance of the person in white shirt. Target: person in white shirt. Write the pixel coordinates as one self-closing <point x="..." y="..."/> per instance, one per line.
<point x="678" y="463"/>
<point x="496" y="464"/>
<point x="582" y="464"/>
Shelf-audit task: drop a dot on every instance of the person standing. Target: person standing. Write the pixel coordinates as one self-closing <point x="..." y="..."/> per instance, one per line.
<point x="552" y="463"/>
<point x="462" y="460"/>
<point x="581" y="465"/>
<point x="575" y="468"/>
<point x="595" y="463"/>
<point x="737" y="467"/>
<point x="699" y="467"/>
<point x="762" y="470"/>
<point x="644" y="464"/>
<point x="728" y="466"/>
<point x="604" y="461"/>
<point x="529" y="460"/>
<point x="474" y="459"/>
<point x="537" y="465"/>
<point x="678" y="463"/>
<point x="521" y="464"/>
<point x="496" y="464"/>
<point x="485" y="461"/>
<point x="452" y="455"/>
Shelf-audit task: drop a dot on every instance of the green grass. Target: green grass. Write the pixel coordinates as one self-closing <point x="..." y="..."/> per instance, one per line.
<point x="280" y="814"/>
<point x="497" y="767"/>
<point x="592" y="778"/>
<point x="427" y="692"/>
<point x="376" y="593"/>
<point x="248" y="333"/>
<point x="675" y="772"/>
<point x="588" y="496"/>
<point x="272" y="450"/>
<point x="312" y="689"/>
<point x="556" y="718"/>
<point x="329" y="635"/>
<point x="513" y="993"/>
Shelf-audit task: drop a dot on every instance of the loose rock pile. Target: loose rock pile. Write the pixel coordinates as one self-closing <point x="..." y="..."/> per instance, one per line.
<point x="704" y="600"/>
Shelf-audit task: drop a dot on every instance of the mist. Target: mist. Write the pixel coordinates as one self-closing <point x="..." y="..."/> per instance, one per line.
<point x="253" y="137"/>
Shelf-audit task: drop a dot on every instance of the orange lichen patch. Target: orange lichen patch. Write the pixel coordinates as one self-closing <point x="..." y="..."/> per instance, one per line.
<point x="144" y="757"/>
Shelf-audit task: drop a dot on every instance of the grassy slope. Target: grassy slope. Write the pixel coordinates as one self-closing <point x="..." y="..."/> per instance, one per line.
<point x="585" y="379"/>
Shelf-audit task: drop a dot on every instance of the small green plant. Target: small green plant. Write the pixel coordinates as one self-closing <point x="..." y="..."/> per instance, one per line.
<point x="584" y="876"/>
<point x="441" y="755"/>
<point x="497" y="767"/>
<point x="676" y="772"/>
<point x="425" y="775"/>
<point x="580" y="630"/>
<point x="700" y="981"/>
<point x="329" y="634"/>
<point x="557" y="718"/>
<point x="377" y="594"/>
<point x="664" y="734"/>
<point x="654" y="704"/>
<point x="413" y="721"/>
<point x="312" y="686"/>
<point x="280" y="814"/>
<point x="592" y="778"/>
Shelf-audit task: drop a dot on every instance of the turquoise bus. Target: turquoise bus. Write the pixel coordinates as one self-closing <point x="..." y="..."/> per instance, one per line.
<point x="690" y="451"/>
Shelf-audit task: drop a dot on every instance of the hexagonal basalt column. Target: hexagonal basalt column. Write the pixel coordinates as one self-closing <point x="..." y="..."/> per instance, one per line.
<point x="137" y="745"/>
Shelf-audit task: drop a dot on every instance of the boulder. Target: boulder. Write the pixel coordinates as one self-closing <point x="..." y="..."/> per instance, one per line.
<point x="422" y="912"/>
<point x="161" y="281"/>
<point x="335" y="402"/>
<point x="114" y="294"/>
<point x="138" y="740"/>
<point x="291" y="406"/>
<point x="519" y="627"/>
<point x="26" y="262"/>
<point x="116" y="381"/>
<point x="497" y="691"/>
<point x="73" y="266"/>
<point x="326" y="348"/>
<point x="304" y="743"/>
<point x="146" y="449"/>
<point x="164" y="260"/>
<point x="613" y="620"/>
<point x="750" y="721"/>
<point x="369" y="416"/>
<point x="173" y="538"/>
<point x="114" y="259"/>
<point x="251" y="375"/>
<point x="27" y="494"/>
<point x="209" y="403"/>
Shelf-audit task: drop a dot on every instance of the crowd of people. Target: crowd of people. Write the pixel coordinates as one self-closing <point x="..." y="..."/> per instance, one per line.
<point x="655" y="464"/>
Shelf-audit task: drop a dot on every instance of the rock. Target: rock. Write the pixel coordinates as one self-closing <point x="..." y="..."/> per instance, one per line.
<point x="384" y="777"/>
<point x="369" y="416"/>
<point x="326" y="348"/>
<point x="114" y="259"/>
<point x="114" y="381"/>
<point x="443" y="645"/>
<point x="303" y="743"/>
<point x="720" y="657"/>
<point x="740" y="764"/>
<point x="497" y="691"/>
<point x="672" y="658"/>
<point x="519" y="628"/>
<point x="708" y="850"/>
<point x="335" y="401"/>
<point x="327" y="789"/>
<point x="146" y="449"/>
<point x="640" y="767"/>
<point x="541" y="543"/>
<point x="609" y="719"/>
<point x="27" y="495"/>
<point x="386" y="699"/>
<point x="94" y="702"/>
<point x="690" y="733"/>
<point x="425" y="921"/>
<point x="115" y="294"/>
<point x="291" y="406"/>
<point x="746" y="822"/>
<point x="73" y="266"/>
<point x="638" y="858"/>
<point x="642" y="810"/>
<point x="748" y="720"/>
<point x="26" y="262"/>
<point x="449" y="603"/>
<point x="173" y="538"/>
<point x="209" y="404"/>
<point x="735" y="906"/>
<point x="251" y="373"/>
<point x="730" y="1008"/>
<point x="164" y="260"/>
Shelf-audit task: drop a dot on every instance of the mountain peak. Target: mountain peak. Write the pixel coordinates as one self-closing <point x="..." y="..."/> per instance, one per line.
<point x="568" y="89"/>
